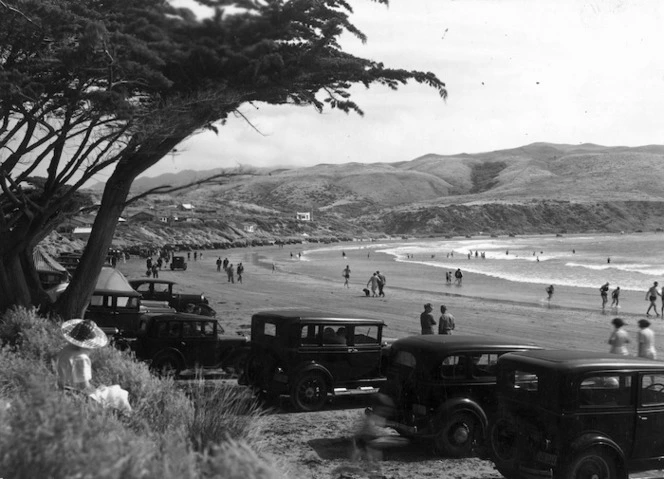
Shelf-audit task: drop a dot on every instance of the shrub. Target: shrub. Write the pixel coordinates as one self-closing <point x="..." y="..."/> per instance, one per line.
<point x="168" y="435"/>
<point x="224" y="412"/>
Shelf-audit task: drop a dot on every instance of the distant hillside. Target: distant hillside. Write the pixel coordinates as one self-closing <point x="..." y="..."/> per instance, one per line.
<point x="540" y="187"/>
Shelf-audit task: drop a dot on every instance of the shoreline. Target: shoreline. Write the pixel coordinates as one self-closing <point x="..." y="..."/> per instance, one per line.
<point x="482" y="305"/>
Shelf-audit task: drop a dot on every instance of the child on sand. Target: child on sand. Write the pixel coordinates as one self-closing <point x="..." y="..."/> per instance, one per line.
<point x="615" y="297"/>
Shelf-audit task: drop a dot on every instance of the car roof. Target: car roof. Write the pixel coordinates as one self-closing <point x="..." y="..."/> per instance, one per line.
<point x="181" y="317"/>
<point x="448" y="343"/>
<point x="311" y="316"/>
<point x="115" y="292"/>
<point x="146" y="280"/>
<point x="577" y="360"/>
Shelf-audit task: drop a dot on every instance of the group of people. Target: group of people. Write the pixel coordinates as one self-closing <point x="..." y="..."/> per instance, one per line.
<point x="619" y="339"/>
<point x="230" y="270"/>
<point x="445" y="323"/>
<point x="377" y="282"/>
<point x="458" y="277"/>
<point x="604" y="294"/>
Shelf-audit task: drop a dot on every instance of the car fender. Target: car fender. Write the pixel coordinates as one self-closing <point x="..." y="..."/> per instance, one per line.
<point x="311" y="366"/>
<point x="456" y="404"/>
<point x="592" y="439"/>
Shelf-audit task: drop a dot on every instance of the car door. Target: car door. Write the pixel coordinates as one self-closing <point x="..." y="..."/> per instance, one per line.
<point x="199" y="340"/>
<point x="364" y="351"/>
<point x="606" y="406"/>
<point x="648" y="438"/>
<point x="321" y="344"/>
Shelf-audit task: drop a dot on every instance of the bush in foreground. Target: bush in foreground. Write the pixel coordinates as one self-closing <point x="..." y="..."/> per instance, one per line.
<point x="48" y="432"/>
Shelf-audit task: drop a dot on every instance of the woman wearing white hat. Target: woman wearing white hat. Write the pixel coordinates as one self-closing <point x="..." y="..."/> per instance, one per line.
<point x="73" y="365"/>
<point x="74" y="368"/>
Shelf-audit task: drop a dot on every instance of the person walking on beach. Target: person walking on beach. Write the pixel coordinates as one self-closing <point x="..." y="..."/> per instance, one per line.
<point x="646" y="338"/>
<point x="448" y="277"/>
<point x="426" y="319"/>
<point x="240" y="270"/>
<point x="619" y="338"/>
<point x="219" y="263"/>
<point x="231" y="273"/>
<point x="604" y="293"/>
<point x="615" y="297"/>
<point x="381" y="283"/>
<point x="373" y="281"/>
<point x="446" y="322"/>
<point x="346" y="274"/>
<point x="459" y="276"/>
<point x="549" y="291"/>
<point x="651" y="296"/>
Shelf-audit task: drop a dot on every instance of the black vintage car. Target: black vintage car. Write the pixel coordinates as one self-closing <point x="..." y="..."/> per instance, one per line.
<point x="441" y="388"/>
<point x="173" y="343"/>
<point x="310" y="355"/>
<point x="178" y="262"/>
<point x="578" y="414"/>
<point x="162" y="290"/>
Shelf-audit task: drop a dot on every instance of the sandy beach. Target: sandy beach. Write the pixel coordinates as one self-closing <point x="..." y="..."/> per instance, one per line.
<point x="481" y="306"/>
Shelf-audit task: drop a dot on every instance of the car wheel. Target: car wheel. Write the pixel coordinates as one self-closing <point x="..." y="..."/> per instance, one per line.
<point x="593" y="463"/>
<point x="309" y="393"/>
<point x="168" y="365"/>
<point x="456" y="435"/>
<point x="502" y="446"/>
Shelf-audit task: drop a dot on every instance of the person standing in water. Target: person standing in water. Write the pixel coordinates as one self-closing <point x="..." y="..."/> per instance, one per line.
<point x="604" y="293"/>
<point x="615" y="297"/>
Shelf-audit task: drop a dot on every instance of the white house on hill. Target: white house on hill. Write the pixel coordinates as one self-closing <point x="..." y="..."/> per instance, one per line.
<point x="303" y="216"/>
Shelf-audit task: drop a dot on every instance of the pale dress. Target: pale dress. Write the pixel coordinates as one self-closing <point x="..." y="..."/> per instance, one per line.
<point x="73" y="367"/>
<point x="647" y="344"/>
<point x="618" y="341"/>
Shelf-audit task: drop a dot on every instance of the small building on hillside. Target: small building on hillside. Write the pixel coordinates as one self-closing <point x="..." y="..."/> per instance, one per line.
<point x="303" y="216"/>
<point x="249" y="227"/>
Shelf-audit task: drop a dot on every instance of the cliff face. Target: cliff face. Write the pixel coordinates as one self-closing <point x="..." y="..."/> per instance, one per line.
<point x="525" y="218"/>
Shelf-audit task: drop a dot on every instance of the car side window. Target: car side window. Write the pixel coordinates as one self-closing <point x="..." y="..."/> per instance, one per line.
<point x="605" y="390"/>
<point x="309" y="334"/>
<point x="366" y="335"/>
<point x="208" y="328"/>
<point x="484" y="364"/>
<point x="652" y="389"/>
<point x="330" y="336"/>
<point x="453" y="367"/>
<point x="143" y="288"/>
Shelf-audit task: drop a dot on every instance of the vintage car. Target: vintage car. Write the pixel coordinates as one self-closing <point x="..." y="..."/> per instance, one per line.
<point x="176" y="342"/>
<point x="441" y="389"/>
<point x="578" y="414"/>
<point x="310" y="355"/>
<point x="178" y="262"/>
<point x="162" y="290"/>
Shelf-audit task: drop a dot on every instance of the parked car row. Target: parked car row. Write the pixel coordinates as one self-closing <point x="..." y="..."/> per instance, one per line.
<point x="534" y="412"/>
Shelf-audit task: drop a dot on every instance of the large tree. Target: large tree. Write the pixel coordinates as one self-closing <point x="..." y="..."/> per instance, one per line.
<point x="91" y="87"/>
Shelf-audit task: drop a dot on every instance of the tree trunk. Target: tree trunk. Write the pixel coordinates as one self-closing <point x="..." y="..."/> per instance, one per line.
<point x="73" y="302"/>
<point x="13" y="285"/>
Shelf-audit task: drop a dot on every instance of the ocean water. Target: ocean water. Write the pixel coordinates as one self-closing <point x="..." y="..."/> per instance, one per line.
<point x="636" y="260"/>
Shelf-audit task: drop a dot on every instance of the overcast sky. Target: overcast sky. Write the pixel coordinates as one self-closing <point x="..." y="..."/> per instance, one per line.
<point x="517" y="72"/>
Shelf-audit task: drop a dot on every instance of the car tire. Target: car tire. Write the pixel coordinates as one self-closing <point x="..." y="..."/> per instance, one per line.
<point x="167" y="365"/>
<point x="309" y="392"/>
<point x="457" y="434"/>
<point x="503" y="445"/>
<point x="595" y="462"/>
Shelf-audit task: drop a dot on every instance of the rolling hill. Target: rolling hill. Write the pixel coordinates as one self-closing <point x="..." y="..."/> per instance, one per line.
<point x="541" y="187"/>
